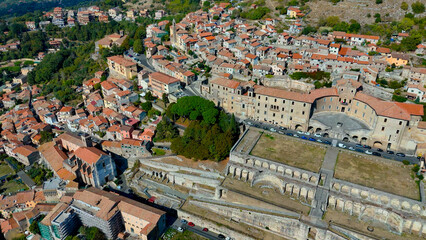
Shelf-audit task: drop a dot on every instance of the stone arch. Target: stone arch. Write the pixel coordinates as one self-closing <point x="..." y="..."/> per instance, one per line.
<point x="250" y="162"/>
<point x="311" y="129"/>
<point x="280" y="169"/>
<point x="265" y="165"/>
<point x="355" y="138"/>
<point x="298" y="127"/>
<point x="273" y="167"/>
<point x="363" y="140"/>
<point x="326" y="135"/>
<point x="377" y="144"/>
<point x="273" y="180"/>
<point x="318" y="130"/>
<point x="345" y="139"/>
<point x="257" y="163"/>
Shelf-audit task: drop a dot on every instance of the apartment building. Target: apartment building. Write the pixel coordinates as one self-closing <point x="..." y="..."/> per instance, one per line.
<point x="59" y="223"/>
<point x="163" y="83"/>
<point x="122" y="67"/>
<point x="26" y="154"/>
<point x="114" y="214"/>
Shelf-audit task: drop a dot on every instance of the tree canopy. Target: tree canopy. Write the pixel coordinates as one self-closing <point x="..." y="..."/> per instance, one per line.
<point x="211" y="133"/>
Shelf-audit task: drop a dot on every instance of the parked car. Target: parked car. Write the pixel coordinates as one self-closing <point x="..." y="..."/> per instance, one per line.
<point x="359" y="150"/>
<point x="390" y="152"/>
<point x="368" y="152"/>
<point x="205" y="229"/>
<point x="327" y="142"/>
<point x="359" y="145"/>
<point x="380" y="150"/>
<point x="400" y="154"/>
<point x="341" y="145"/>
<point x="319" y="140"/>
<point x="221" y="236"/>
<point x="366" y="146"/>
<point x="303" y="137"/>
<point x="299" y="132"/>
<point x="307" y="133"/>
<point x="183" y="221"/>
<point x="295" y="135"/>
<point x="283" y="128"/>
<point x="351" y="148"/>
<point x="249" y="123"/>
<point x="312" y="139"/>
<point x="280" y="132"/>
<point x="289" y="134"/>
<point x="317" y="135"/>
<point x="272" y="130"/>
<point x="191" y="224"/>
<point x="377" y="154"/>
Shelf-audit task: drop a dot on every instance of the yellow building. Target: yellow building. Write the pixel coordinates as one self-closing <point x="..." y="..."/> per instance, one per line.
<point x="120" y="66"/>
<point x="398" y="59"/>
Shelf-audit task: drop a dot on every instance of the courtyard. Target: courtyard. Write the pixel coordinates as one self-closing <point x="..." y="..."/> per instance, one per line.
<point x="290" y="151"/>
<point x="385" y="175"/>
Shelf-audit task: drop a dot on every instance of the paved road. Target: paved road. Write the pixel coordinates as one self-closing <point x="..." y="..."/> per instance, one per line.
<point x="196" y="229"/>
<point x="142" y="59"/>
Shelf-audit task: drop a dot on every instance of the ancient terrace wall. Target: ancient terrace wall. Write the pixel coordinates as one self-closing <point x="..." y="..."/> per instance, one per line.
<point x="396" y="213"/>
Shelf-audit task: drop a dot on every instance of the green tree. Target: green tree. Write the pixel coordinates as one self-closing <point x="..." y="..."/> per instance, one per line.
<point x="404" y="6"/>
<point x="149" y="96"/>
<point x="146" y="106"/>
<point x="137" y="46"/>
<point x="165" y="99"/>
<point x="418" y="7"/>
<point x="46" y="137"/>
<point x="331" y="21"/>
<point x="379" y="1"/>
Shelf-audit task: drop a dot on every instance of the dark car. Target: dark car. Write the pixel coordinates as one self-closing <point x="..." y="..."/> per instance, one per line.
<point x="358" y="145"/>
<point x="400" y="154"/>
<point x="390" y="152"/>
<point x="312" y="139"/>
<point x="205" y="229"/>
<point x="377" y="154"/>
<point x="221" y="236"/>
<point x="283" y="128"/>
<point x="380" y="150"/>
<point x="327" y="142"/>
<point x="303" y="137"/>
<point x="289" y="134"/>
<point x="359" y="150"/>
<point x="366" y="146"/>
<point x="191" y="224"/>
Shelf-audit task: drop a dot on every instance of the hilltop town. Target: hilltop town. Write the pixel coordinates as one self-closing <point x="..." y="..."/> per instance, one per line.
<point x="224" y="121"/>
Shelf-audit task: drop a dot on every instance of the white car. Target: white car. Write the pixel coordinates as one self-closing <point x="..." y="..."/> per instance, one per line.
<point x="272" y="130"/>
<point x="180" y="229"/>
<point x="319" y="140"/>
<point x="317" y="135"/>
<point x="351" y="148"/>
<point x="341" y="145"/>
<point x="368" y="152"/>
<point x="300" y="132"/>
<point x="307" y="133"/>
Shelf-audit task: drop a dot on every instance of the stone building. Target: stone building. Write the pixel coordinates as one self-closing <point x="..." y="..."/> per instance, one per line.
<point x="343" y="111"/>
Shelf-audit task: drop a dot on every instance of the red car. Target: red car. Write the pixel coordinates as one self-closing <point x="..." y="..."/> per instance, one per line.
<point x="205" y="229"/>
<point x="191" y="224"/>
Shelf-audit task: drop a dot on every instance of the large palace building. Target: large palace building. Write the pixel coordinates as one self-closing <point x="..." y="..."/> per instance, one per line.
<point x="342" y="112"/>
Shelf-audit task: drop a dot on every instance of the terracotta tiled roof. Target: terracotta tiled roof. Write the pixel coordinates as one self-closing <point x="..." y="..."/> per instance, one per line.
<point x="226" y="82"/>
<point x="89" y="154"/>
<point x="164" y="78"/>
<point x="121" y="61"/>
<point x="25" y="150"/>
